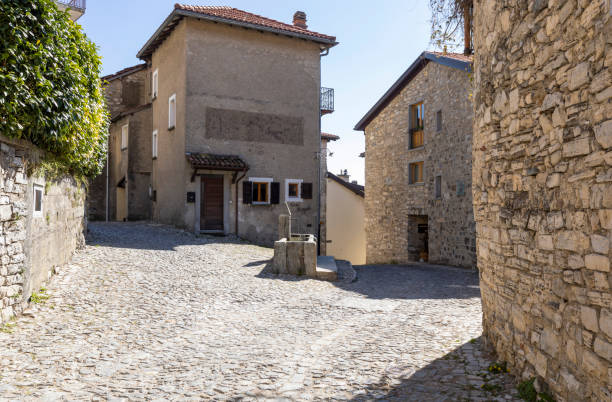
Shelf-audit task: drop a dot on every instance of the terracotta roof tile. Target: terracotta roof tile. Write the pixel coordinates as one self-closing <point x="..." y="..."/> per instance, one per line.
<point x="125" y="71"/>
<point x="244" y="16"/>
<point x="456" y="56"/>
<point x="216" y="162"/>
<point x="329" y="137"/>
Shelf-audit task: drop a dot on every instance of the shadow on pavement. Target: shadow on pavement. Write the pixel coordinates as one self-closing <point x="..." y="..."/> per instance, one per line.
<point x="148" y="236"/>
<point x="418" y="281"/>
<point x="461" y="375"/>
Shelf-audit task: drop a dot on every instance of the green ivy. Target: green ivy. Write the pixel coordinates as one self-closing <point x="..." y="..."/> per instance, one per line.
<point x="50" y="90"/>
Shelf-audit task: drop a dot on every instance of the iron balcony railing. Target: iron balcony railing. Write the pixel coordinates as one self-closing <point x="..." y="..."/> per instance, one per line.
<point x="74" y="4"/>
<point x="327" y="100"/>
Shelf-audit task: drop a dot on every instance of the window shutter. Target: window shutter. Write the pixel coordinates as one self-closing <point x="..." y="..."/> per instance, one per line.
<point x="274" y="193"/>
<point x="307" y="191"/>
<point x="410" y="127"/>
<point x="247" y="192"/>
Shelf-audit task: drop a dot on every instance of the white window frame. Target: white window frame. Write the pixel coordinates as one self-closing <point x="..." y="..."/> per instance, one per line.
<point x="35" y="188"/>
<point x="125" y="131"/>
<point x="293" y="181"/>
<point x="268" y="180"/>
<point x="154" y="148"/>
<point x="154" y="84"/>
<point x="171" y="113"/>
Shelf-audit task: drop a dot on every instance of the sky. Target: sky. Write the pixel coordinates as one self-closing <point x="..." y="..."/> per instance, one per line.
<point x="377" y="43"/>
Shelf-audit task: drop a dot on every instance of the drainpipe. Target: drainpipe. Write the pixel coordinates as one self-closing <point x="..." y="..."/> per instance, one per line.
<point x="107" y="185"/>
<point x="236" y="200"/>
<point x="323" y="53"/>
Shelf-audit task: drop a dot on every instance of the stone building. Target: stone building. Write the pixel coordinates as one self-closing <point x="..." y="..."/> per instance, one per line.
<point x="542" y="188"/>
<point x="124" y="185"/>
<point x="418" y="202"/>
<point x="234" y="124"/>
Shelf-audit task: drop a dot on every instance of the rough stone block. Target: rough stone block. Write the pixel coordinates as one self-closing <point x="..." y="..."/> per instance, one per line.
<point x="597" y="262"/>
<point x="550" y="342"/>
<point x="605" y="218"/>
<point x="603" y="134"/>
<point x="576" y="148"/>
<point x="6" y="212"/>
<point x="594" y="365"/>
<point x="605" y="322"/>
<point x="588" y="316"/>
<point x="545" y="242"/>
<point x="603" y="348"/>
<point x="579" y="76"/>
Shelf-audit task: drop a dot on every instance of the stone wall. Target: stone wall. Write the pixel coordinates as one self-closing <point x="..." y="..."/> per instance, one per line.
<point x="32" y="247"/>
<point x="392" y="203"/>
<point x="543" y="189"/>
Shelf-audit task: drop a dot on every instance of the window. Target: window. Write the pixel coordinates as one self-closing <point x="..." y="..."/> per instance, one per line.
<point x="438" y="187"/>
<point x="260" y="190"/>
<point x="154" y="144"/>
<point x="439" y="120"/>
<point x="172" y="112"/>
<point x="37" y="198"/>
<point x="124" y="136"/>
<point x="154" y="84"/>
<point x="416" y="125"/>
<point x="293" y="190"/>
<point x="415" y="172"/>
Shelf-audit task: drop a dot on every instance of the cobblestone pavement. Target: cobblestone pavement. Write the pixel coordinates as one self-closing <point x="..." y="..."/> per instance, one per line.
<point x="149" y="312"/>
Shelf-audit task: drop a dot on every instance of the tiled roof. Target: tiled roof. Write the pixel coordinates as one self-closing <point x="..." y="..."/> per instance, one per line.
<point x="456" y="56"/>
<point x="124" y="72"/>
<point x="453" y="60"/>
<point x="244" y="16"/>
<point x="231" y="16"/>
<point x="355" y="188"/>
<point x="216" y="162"/>
<point x="329" y="137"/>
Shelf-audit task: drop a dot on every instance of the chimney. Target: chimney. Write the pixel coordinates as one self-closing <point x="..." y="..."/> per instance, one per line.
<point x="344" y="175"/>
<point x="299" y="19"/>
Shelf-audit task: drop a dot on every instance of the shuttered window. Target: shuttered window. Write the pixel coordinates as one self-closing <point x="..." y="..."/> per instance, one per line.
<point x="416" y="125"/>
<point x="415" y="172"/>
<point x="438" y="187"/>
<point x="260" y="191"/>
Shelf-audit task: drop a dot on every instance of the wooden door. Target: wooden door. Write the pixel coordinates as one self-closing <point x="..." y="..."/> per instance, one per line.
<point x="211" y="208"/>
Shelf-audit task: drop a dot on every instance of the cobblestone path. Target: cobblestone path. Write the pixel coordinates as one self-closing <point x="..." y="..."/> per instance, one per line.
<point x="149" y="312"/>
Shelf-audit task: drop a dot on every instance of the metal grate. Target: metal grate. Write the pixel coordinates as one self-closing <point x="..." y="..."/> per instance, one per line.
<point x="327" y="99"/>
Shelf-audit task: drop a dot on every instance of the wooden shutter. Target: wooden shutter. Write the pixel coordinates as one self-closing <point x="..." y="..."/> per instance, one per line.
<point x="307" y="191"/>
<point x="247" y="192"/>
<point x="274" y="193"/>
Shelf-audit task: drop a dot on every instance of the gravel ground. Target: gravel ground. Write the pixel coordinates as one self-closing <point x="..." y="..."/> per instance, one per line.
<point x="149" y="312"/>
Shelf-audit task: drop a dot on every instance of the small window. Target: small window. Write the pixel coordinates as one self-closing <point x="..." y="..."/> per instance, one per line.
<point x="293" y="191"/>
<point x="416" y="172"/>
<point x="154" y="144"/>
<point x="172" y="112"/>
<point x="416" y="125"/>
<point x="261" y="190"/>
<point x="124" y="137"/>
<point x="438" y="186"/>
<point x="38" y="199"/>
<point x="439" y="121"/>
<point x="154" y="84"/>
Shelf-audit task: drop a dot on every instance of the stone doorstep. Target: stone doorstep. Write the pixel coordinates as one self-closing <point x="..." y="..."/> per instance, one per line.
<point x="327" y="268"/>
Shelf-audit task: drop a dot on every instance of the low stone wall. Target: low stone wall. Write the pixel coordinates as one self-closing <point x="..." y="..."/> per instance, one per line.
<point x="542" y="189"/>
<point x="32" y="246"/>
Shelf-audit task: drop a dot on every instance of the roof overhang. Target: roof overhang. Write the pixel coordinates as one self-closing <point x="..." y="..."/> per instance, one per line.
<point x="176" y="15"/>
<point x="406" y="77"/>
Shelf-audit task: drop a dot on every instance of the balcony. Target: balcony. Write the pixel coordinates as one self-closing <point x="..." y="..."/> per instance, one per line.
<point x="327" y="100"/>
<point x="76" y="8"/>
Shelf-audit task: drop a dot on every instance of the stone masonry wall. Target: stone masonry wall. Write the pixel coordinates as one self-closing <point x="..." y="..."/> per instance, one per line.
<point x="543" y="189"/>
<point x="392" y="203"/>
<point x="31" y="248"/>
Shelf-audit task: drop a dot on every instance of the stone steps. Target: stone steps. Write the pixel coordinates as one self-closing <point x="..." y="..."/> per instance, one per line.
<point x="326" y="268"/>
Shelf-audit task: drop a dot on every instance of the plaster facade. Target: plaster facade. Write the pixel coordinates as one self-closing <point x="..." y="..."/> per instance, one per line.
<point x="542" y="189"/>
<point x="395" y="207"/>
